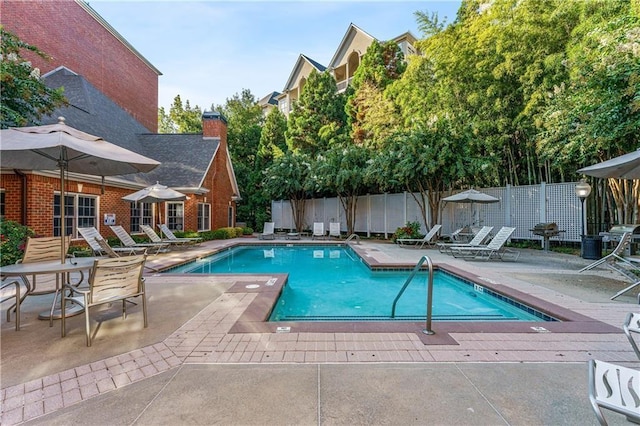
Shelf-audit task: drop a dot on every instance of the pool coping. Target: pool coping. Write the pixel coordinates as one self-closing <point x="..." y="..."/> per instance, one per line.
<point x="255" y="317"/>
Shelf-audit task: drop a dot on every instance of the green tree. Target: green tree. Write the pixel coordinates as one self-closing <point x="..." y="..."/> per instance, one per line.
<point x="341" y="171"/>
<point x="24" y="98"/>
<point x="288" y="178"/>
<point x="184" y="118"/>
<point x="244" y="117"/>
<point x="165" y="123"/>
<point x="318" y="119"/>
<point x="273" y="143"/>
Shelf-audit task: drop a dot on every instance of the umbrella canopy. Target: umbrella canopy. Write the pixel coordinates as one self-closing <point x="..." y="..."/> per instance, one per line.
<point x="58" y="146"/>
<point x="471" y="196"/>
<point x="155" y="194"/>
<point x="626" y="166"/>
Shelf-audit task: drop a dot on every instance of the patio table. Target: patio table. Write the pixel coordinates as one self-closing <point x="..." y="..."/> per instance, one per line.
<point x="61" y="270"/>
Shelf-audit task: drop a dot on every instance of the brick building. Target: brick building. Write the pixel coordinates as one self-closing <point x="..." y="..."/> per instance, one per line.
<point x="198" y="165"/>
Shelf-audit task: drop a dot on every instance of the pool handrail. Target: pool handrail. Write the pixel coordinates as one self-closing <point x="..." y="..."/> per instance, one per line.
<point x="429" y="301"/>
<point x="353" y="236"/>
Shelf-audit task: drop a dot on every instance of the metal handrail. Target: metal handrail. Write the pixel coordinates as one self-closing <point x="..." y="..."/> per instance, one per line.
<point x="353" y="236"/>
<point x="429" y="292"/>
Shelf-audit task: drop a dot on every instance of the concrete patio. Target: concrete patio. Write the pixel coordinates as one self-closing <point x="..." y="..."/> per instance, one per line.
<point x="191" y="366"/>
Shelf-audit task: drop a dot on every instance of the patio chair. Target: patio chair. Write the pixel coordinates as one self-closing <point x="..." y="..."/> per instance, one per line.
<point x="618" y="263"/>
<point x="479" y="239"/>
<point x="318" y="230"/>
<point x="632" y="325"/>
<point x="429" y="239"/>
<point x="615" y="388"/>
<point x="164" y="229"/>
<point x="268" y="231"/>
<point x="494" y="250"/>
<point x="11" y="290"/>
<point x="155" y="238"/>
<point x="95" y="241"/>
<point x="128" y="241"/>
<point x="110" y="280"/>
<point x="334" y="230"/>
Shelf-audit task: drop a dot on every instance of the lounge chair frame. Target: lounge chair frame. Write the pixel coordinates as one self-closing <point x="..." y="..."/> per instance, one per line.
<point x="155" y="238"/>
<point x="318" y="230"/>
<point x="168" y="233"/>
<point x="494" y="250"/>
<point x="95" y="242"/>
<point x="610" y="387"/>
<point x="478" y="240"/>
<point x="429" y="239"/>
<point x="128" y="241"/>
<point x="268" y="231"/>
<point x="334" y="230"/>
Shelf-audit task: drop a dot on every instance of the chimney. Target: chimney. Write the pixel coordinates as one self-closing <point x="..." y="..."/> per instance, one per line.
<point x="214" y="125"/>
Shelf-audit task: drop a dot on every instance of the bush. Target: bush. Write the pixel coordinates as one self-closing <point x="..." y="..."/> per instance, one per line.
<point x="410" y="230"/>
<point x="13" y="237"/>
<point x="239" y="231"/>
<point x="247" y="231"/>
<point x="224" y="233"/>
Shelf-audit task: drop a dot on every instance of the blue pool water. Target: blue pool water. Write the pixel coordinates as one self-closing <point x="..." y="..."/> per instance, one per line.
<point x="331" y="283"/>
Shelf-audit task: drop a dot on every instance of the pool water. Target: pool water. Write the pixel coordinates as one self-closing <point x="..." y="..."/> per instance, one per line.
<point x="331" y="283"/>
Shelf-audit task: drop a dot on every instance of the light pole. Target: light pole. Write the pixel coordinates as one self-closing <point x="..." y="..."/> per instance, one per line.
<point x="583" y="189"/>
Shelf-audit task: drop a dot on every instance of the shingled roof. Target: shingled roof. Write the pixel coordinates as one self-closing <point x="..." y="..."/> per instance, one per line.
<point x="185" y="158"/>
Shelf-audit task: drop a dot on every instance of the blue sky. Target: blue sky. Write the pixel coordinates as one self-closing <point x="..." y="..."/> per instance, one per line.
<point x="208" y="51"/>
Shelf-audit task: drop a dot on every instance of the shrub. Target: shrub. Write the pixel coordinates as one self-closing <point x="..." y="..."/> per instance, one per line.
<point x="224" y="233"/>
<point x="13" y="237"/>
<point x="410" y="230"/>
<point x="247" y="231"/>
<point x="239" y="231"/>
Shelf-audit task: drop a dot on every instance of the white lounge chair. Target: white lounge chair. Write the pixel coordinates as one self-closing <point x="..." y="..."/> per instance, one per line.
<point x="615" y="388"/>
<point x="129" y="242"/>
<point x="155" y="238"/>
<point x="632" y="325"/>
<point x="334" y="230"/>
<point x="268" y="231"/>
<point x="478" y="240"/>
<point x="618" y="263"/>
<point x="171" y="236"/>
<point x="318" y="230"/>
<point x="94" y="239"/>
<point x="428" y="239"/>
<point x="494" y="250"/>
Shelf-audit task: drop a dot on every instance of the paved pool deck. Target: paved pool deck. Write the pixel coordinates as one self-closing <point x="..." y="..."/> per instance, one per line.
<point x="208" y="358"/>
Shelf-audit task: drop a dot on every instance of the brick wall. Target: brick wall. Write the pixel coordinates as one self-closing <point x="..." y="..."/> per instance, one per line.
<point x="64" y="30"/>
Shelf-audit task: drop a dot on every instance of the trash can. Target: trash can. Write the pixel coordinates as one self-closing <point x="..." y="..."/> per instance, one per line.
<point x="592" y="247"/>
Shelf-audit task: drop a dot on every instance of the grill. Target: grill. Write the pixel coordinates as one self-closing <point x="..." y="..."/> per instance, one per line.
<point x="616" y="232"/>
<point x="546" y="230"/>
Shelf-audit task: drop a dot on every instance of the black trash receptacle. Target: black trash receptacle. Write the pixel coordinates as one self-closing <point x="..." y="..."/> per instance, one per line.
<point x="592" y="247"/>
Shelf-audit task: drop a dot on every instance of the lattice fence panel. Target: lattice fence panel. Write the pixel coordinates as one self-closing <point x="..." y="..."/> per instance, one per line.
<point x="564" y="208"/>
<point x="525" y="210"/>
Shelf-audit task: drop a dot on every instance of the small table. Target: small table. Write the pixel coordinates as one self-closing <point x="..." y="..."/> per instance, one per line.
<point x="51" y="267"/>
<point x="292" y="236"/>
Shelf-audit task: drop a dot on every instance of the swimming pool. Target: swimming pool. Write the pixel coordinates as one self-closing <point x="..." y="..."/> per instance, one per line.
<point x="331" y="283"/>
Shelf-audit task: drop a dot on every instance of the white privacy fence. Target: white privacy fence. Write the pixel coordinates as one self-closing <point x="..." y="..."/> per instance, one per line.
<point x="520" y="206"/>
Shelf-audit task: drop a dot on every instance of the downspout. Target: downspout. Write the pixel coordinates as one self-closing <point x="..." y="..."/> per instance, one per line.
<point x="23" y="196"/>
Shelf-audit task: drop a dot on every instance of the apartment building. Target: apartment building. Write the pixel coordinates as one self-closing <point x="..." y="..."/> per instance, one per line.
<point x="342" y="66"/>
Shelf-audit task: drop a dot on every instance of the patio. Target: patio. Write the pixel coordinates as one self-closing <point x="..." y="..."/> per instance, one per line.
<point x="188" y="368"/>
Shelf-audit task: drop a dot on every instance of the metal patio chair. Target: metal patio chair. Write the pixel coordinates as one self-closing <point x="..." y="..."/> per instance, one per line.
<point x="615" y="388"/>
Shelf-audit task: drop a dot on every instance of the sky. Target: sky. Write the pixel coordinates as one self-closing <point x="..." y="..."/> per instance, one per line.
<point x="208" y="51"/>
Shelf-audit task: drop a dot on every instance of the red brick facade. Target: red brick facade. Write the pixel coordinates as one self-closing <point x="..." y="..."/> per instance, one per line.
<point x="67" y="32"/>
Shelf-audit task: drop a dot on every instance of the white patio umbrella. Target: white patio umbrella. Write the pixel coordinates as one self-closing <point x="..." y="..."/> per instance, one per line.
<point x="58" y="146"/>
<point x="155" y="194"/>
<point x="471" y="196"/>
<point x="626" y="166"/>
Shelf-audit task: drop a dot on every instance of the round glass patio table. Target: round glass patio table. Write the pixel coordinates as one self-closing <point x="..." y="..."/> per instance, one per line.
<point x="61" y="270"/>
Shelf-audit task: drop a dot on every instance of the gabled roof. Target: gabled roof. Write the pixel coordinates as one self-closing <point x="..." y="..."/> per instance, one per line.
<point x="298" y="67"/>
<point x="270" y="99"/>
<point x="351" y="33"/>
<point x="185" y="158"/>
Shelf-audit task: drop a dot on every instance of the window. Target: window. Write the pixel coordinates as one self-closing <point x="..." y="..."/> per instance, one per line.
<point x="141" y="214"/>
<point x="79" y="210"/>
<point x="175" y="216"/>
<point x="2" y="205"/>
<point x="204" y="217"/>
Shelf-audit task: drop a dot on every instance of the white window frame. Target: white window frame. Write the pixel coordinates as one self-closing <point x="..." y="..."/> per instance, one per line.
<point x="173" y="221"/>
<point x="141" y="219"/>
<point x="72" y="216"/>
<point x="204" y="221"/>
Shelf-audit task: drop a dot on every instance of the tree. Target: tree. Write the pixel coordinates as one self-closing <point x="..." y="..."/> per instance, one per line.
<point x="24" y="98"/>
<point x="318" y="119"/>
<point x="165" y="123"/>
<point x="288" y="179"/>
<point x="273" y="143"/>
<point x="185" y="118"/>
<point x="244" y="118"/>
<point x="341" y="171"/>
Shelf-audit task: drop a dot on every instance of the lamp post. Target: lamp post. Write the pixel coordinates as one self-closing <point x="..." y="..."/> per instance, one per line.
<point x="583" y="189"/>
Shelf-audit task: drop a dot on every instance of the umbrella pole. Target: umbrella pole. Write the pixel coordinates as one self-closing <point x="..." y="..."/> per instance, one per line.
<point x="63" y="255"/>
